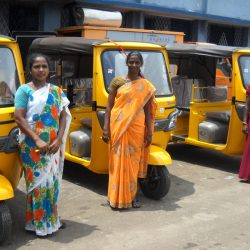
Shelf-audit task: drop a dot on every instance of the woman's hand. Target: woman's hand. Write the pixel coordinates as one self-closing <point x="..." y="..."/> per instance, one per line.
<point x="41" y="145"/>
<point x="54" y="146"/>
<point x="148" y="140"/>
<point x="106" y="136"/>
<point x="245" y="128"/>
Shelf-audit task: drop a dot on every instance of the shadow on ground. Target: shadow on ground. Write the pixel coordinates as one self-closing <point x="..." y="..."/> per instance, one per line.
<point x="204" y="157"/>
<point x="81" y="176"/>
<point x="99" y="183"/>
<point x="20" y="237"/>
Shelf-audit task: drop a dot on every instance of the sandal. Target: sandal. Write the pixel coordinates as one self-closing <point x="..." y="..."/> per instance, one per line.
<point x="63" y="225"/>
<point x="245" y="181"/>
<point x="136" y="203"/>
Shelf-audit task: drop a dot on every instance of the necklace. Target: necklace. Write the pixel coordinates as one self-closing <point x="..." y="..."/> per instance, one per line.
<point x="129" y="80"/>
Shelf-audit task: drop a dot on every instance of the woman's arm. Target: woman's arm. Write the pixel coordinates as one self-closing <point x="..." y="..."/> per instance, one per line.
<point x="55" y="145"/>
<point x="148" y="123"/>
<point x="106" y="127"/>
<point x="19" y="115"/>
<point x="245" y="116"/>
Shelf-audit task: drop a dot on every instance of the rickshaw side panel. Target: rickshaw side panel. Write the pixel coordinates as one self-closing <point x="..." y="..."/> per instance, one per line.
<point x="10" y="166"/>
<point x="6" y="189"/>
<point x="236" y="138"/>
<point x="198" y="114"/>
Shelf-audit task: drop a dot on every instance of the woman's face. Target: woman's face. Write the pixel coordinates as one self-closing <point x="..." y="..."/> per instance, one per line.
<point x="40" y="69"/>
<point x="134" y="64"/>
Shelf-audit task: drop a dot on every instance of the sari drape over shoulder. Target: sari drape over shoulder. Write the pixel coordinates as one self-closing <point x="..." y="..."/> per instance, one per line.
<point x="244" y="172"/>
<point x="128" y="154"/>
<point x="43" y="172"/>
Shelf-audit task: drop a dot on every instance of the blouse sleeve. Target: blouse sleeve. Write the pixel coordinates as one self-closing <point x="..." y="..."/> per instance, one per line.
<point x="248" y="90"/>
<point x="116" y="83"/>
<point x="21" y="98"/>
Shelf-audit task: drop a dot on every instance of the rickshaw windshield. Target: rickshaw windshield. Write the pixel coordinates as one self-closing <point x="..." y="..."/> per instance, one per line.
<point x="9" y="80"/>
<point x="154" y="69"/>
<point x="244" y="64"/>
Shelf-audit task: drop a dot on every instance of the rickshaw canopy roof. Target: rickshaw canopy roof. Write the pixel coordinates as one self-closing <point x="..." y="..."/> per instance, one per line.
<point x="212" y="50"/>
<point x="64" y="45"/>
<point x="198" y="61"/>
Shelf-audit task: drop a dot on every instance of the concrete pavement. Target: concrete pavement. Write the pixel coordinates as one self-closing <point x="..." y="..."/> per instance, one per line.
<point x="206" y="208"/>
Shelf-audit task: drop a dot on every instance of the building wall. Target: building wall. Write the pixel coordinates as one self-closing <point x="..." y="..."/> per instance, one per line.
<point x="214" y="10"/>
<point x="224" y="22"/>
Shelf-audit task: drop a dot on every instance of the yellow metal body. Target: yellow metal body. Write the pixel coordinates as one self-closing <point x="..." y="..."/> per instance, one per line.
<point x="10" y="169"/>
<point x="6" y="189"/>
<point x="188" y="123"/>
<point x="98" y="161"/>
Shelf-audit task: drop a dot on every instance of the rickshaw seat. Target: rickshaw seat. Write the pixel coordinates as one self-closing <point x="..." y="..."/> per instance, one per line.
<point x="217" y="93"/>
<point x="221" y="116"/>
<point x="82" y="90"/>
<point x="182" y="87"/>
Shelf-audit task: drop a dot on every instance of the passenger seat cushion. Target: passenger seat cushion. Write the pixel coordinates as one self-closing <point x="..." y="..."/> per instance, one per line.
<point x="223" y="116"/>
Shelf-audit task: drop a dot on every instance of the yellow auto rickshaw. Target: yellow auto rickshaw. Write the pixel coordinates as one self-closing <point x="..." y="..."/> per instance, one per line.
<point x="11" y="75"/>
<point x="209" y="82"/>
<point x="84" y="68"/>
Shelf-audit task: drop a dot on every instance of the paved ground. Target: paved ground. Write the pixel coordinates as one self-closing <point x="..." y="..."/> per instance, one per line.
<point x="206" y="208"/>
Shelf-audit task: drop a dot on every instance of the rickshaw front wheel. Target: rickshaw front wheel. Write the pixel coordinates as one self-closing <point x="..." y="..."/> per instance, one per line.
<point x="157" y="183"/>
<point x="5" y="222"/>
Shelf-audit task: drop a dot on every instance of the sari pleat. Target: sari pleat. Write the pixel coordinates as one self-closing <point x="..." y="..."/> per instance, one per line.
<point x="128" y="156"/>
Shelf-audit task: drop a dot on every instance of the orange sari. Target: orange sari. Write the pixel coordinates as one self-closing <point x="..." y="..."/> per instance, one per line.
<point x="128" y="154"/>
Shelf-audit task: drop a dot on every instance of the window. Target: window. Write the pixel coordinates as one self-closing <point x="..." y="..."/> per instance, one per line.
<point x="75" y="77"/>
<point x="244" y="63"/>
<point x="9" y="80"/>
<point x="154" y="69"/>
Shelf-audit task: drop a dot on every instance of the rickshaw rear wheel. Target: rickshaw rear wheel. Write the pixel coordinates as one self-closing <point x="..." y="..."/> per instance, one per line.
<point x="157" y="183"/>
<point x="5" y="222"/>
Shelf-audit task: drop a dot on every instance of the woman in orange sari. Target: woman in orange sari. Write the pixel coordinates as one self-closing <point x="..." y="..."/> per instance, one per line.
<point x="128" y="128"/>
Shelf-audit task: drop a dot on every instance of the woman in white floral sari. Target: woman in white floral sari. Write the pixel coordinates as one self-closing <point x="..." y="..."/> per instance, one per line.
<point x="43" y="118"/>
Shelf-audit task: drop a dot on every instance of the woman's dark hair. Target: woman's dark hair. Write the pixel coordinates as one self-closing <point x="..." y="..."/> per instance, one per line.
<point x="135" y="53"/>
<point x="31" y="59"/>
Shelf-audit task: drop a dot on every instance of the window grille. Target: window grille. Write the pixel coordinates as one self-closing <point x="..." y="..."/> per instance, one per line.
<point x="4" y="18"/>
<point x="157" y="23"/>
<point x="23" y="17"/>
<point x="225" y="35"/>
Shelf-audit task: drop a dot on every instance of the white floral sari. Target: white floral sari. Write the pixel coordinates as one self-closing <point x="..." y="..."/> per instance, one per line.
<point x="43" y="172"/>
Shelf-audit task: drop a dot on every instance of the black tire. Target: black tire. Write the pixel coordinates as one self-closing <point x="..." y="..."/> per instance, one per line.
<point x="157" y="183"/>
<point x="5" y="222"/>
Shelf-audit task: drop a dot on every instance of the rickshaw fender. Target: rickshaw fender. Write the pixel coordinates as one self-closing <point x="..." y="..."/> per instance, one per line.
<point x="6" y="189"/>
<point x="158" y="156"/>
